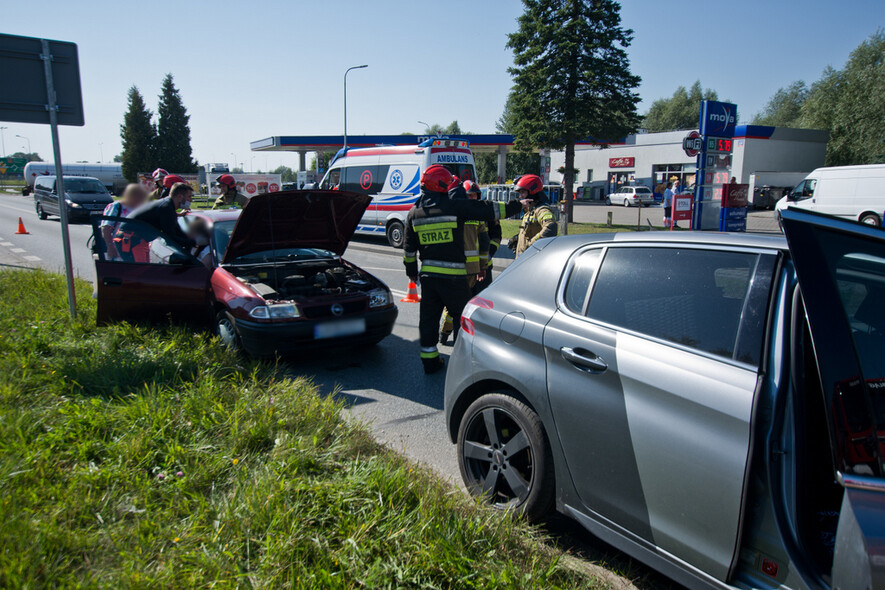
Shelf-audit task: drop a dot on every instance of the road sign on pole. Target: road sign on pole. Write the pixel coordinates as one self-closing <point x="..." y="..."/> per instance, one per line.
<point x="46" y="91"/>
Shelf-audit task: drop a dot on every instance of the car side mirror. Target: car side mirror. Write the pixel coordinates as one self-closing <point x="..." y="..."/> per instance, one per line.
<point x="180" y="259"/>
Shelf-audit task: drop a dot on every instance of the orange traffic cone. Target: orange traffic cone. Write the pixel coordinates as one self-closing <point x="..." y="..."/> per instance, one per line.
<point x="21" y="227"/>
<point x="412" y="295"/>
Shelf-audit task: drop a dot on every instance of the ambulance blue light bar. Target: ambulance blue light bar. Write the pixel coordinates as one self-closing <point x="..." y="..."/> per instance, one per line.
<point x="444" y="142"/>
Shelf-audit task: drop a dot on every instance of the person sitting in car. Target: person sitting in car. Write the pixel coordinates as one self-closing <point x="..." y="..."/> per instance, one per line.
<point x="198" y="231"/>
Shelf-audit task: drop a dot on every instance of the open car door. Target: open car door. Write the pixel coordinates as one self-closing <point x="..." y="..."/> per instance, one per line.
<point x="841" y="271"/>
<point x="167" y="281"/>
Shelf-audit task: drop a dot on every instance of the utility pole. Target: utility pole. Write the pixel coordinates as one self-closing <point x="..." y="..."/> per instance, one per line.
<point x="345" y="98"/>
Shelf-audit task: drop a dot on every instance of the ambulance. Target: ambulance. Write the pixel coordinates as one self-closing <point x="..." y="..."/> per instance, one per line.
<point x="391" y="175"/>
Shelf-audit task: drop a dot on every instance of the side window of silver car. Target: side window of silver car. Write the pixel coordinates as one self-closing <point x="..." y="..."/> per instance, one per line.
<point x="691" y="297"/>
<point x="580" y="278"/>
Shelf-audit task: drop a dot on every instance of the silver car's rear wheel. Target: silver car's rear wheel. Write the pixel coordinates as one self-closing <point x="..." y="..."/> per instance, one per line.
<point x="504" y="455"/>
<point x="626" y="202"/>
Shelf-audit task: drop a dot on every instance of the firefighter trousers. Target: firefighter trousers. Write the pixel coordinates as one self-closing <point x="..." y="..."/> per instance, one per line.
<point x="438" y="293"/>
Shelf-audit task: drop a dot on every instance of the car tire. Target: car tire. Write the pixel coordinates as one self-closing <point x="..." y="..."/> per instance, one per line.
<point x="608" y="201"/>
<point x="40" y="212"/>
<point x="226" y="330"/>
<point x="871" y="219"/>
<point x="396" y="234"/>
<point x="504" y="456"/>
<point x="626" y="202"/>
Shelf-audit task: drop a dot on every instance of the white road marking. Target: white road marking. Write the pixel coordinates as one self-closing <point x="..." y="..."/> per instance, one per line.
<point x="32" y="258"/>
<point x="381" y="268"/>
<point x="17" y="250"/>
<point x="398" y="293"/>
<point x="6" y="244"/>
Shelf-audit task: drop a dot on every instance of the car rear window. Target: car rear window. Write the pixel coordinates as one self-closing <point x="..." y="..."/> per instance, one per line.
<point x="692" y="297"/>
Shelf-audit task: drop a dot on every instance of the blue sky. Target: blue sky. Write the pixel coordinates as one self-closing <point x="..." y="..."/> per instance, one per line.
<point x="248" y="70"/>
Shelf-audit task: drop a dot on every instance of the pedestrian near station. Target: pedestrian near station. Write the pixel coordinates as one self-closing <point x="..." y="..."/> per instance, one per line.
<point x="435" y="232"/>
<point x="671" y="190"/>
<point x="227" y="184"/>
<point x="539" y="220"/>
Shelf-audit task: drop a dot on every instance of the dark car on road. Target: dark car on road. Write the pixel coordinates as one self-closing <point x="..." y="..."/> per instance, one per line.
<point x="274" y="280"/>
<point x="84" y="197"/>
<point x="711" y="404"/>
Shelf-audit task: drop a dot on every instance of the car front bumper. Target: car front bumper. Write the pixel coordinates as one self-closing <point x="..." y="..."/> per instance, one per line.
<point x="267" y="339"/>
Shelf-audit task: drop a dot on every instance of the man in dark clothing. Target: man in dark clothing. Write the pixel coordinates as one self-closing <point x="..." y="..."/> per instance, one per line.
<point x="435" y="230"/>
<point x="133" y="242"/>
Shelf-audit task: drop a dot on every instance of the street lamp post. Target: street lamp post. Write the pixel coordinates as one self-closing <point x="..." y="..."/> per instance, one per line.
<point x="345" y="98"/>
<point x="235" y="159"/>
<point x="3" y="141"/>
<point x="426" y="126"/>
<point x="101" y="151"/>
<point x="26" y="139"/>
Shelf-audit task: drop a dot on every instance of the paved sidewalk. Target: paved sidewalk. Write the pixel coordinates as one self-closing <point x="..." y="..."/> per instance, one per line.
<point x="757" y="221"/>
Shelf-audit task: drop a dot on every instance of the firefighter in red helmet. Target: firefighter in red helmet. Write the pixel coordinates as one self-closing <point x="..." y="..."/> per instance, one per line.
<point x="227" y="184"/>
<point x="435" y="231"/>
<point x="160" y="189"/>
<point x="539" y="220"/>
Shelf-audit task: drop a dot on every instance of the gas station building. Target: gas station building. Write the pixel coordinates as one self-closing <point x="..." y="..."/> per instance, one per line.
<point x="652" y="158"/>
<point x="641" y="158"/>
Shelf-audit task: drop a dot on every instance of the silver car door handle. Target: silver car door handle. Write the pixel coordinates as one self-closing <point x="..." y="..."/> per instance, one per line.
<point x="583" y="359"/>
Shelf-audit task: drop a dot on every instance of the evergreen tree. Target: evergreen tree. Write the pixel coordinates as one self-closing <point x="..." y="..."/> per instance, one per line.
<point x="139" y="137"/>
<point x="173" y="132"/>
<point x="571" y="77"/>
<point x="680" y="111"/>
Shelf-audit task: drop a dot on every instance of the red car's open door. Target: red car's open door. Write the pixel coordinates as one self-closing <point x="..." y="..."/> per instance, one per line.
<point x="174" y="284"/>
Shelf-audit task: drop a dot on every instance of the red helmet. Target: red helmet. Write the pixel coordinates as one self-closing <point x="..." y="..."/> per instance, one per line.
<point x="168" y="181"/>
<point x="437" y="179"/>
<point x="471" y="187"/>
<point x="159" y="174"/>
<point x="226" y="179"/>
<point x="529" y="182"/>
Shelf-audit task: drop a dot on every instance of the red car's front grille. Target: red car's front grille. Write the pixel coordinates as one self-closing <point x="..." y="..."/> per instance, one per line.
<point x="325" y="310"/>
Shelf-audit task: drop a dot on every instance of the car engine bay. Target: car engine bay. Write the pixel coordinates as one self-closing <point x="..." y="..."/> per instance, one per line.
<point x="293" y="281"/>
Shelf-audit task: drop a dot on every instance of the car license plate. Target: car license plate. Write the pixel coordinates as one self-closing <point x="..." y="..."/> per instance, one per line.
<point x="339" y="329"/>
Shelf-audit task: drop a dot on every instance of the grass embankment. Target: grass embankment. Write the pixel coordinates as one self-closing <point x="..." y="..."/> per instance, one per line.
<point x="139" y="457"/>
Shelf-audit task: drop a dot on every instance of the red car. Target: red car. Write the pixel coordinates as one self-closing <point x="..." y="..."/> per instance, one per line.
<point x="273" y="280"/>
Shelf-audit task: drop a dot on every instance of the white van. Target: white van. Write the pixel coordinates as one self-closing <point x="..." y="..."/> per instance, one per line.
<point x="852" y="192"/>
<point x="392" y="176"/>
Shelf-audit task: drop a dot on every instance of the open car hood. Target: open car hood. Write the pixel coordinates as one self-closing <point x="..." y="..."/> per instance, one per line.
<point x="297" y="219"/>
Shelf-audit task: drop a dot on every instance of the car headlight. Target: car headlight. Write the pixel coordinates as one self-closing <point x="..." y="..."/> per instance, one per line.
<point x="72" y="204"/>
<point x="277" y="311"/>
<point x="379" y="298"/>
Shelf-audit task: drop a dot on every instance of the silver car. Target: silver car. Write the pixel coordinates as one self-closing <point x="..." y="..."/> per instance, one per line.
<point x="712" y="404"/>
<point x="640" y="196"/>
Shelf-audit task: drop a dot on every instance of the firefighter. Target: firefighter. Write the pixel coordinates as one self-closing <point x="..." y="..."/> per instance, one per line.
<point x="539" y="220"/>
<point x="160" y="190"/>
<point x="133" y="241"/>
<point x="493" y="236"/>
<point x="227" y="184"/>
<point x="435" y="230"/>
<point x="476" y="253"/>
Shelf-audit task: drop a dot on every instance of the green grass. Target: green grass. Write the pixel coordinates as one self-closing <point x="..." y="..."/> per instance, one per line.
<point x="510" y="227"/>
<point x="136" y="457"/>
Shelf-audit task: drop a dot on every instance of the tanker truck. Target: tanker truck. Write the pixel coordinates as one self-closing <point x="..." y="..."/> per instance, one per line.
<point x="110" y="175"/>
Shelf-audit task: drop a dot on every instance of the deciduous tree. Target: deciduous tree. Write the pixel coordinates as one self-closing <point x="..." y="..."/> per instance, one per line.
<point x="784" y="109"/>
<point x="680" y="111"/>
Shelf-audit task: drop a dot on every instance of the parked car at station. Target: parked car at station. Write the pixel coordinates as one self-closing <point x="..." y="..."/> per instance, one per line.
<point x="84" y="197"/>
<point x="711" y="404"/>
<point x="275" y="280"/>
<point x="630" y="196"/>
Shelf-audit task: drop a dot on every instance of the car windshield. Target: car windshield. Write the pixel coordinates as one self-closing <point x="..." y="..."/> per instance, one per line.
<point x="84" y="185"/>
<point x="222" y="231"/>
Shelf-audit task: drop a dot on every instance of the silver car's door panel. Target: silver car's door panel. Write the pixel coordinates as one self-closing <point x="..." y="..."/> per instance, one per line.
<point x="689" y="419"/>
<point x="590" y="414"/>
